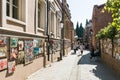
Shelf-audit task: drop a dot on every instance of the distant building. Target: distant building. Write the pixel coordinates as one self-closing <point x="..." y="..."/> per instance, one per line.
<point x="88" y="35"/>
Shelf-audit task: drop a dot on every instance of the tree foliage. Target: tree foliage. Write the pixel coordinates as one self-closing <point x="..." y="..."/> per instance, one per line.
<point x="79" y="30"/>
<point x="111" y="30"/>
<point x="113" y="6"/>
<point x="87" y="22"/>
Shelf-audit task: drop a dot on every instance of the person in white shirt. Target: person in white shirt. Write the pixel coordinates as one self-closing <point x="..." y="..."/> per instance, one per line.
<point x="74" y="48"/>
<point x="81" y="48"/>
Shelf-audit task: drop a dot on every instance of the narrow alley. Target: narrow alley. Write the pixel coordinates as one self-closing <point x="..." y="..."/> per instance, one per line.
<point x="74" y="67"/>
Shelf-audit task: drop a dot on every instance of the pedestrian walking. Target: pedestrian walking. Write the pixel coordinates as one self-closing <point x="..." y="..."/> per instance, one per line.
<point x="74" y="48"/>
<point x="81" y="49"/>
<point x="94" y="53"/>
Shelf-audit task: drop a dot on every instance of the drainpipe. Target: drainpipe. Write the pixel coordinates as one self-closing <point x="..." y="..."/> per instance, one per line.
<point x="48" y="37"/>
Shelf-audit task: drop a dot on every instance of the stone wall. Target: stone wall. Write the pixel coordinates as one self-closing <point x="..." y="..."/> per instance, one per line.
<point x="106" y="54"/>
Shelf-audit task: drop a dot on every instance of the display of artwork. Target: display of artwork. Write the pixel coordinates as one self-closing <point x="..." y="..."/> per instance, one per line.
<point x="13" y="42"/>
<point x="3" y="64"/>
<point x="21" y="56"/>
<point x="11" y="66"/>
<point x="36" y="51"/>
<point x="37" y="43"/>
<point x="3" y="40"/>
<point x="20" y="45"/>
<point x="13" y="53"/>
<point x="3" y="51"/>
<point x="28" y="51"/>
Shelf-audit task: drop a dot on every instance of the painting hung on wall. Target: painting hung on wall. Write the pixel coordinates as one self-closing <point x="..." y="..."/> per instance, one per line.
<point x="3" y="64"/>
<point x="36" y="51"/>
<point x="20" y="45"/>
<point x="3" y="51"/>
<point x="21" y="56"/>
<point x="13" y="54"/>
<point x="11" y="66"/>
<point x="28" y="51"/>
<point x="38" y="43"/>
<point x="13" y="42"/>
<point x="3" y="40"/>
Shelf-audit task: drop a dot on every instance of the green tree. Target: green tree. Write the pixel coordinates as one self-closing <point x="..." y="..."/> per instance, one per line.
<point x="77" y="29"/>
<point x="113" y="6"/>
<point x="87" y="22"/>
<point x="81" y="31"/>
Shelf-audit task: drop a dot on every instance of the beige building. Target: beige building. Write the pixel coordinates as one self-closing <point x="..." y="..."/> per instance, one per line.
<point x="23" y="35"/>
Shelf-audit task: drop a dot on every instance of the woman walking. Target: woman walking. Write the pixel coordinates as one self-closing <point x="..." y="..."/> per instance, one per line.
<point x="81" y="49"/>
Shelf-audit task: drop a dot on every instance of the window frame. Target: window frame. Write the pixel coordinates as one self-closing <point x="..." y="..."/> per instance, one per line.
<point x="10" y="10"/>
<point x="21" y="10"/>
<point x="39" y="14"/>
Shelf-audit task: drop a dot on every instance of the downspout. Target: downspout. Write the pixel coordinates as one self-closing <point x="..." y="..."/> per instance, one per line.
<point x="48" y="37"/>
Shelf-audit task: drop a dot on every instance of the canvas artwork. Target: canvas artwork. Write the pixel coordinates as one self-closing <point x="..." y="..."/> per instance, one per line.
<point x="11" y="66"/>
<point x="21" y="56"/>
<point x="3" y="51"/>
<point x="35" y="43"/>
<point x="13" y="42"/>
<point x="28" y="51"/>
<point x="38" y="43"/>
<point x="13" y="54"/>
<point x="20" y="45"/>
<point x="3" y="40"/>
<point x="3" y="64"/>
<point x="36" y="51"/>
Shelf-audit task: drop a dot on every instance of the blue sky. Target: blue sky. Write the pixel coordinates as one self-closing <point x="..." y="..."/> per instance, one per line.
<point x="82" y="10"/>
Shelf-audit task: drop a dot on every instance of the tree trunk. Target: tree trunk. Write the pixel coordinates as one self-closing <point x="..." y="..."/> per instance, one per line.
<point x="112" y="47"/>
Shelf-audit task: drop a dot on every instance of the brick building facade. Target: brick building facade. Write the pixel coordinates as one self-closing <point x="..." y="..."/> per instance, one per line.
<point x="99" y="21"/>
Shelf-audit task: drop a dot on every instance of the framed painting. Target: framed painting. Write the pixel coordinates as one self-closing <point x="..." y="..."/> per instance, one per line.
<point x="11" y="67"/>
<point x="13" y="42"/>
<point x="13" y="53"/>
<point x="20" y="45"/>
<point x="28" y="51"/>
<point x="3" y="51"/>
<point x="3" y="40"/>
<point x="3" y="64"/>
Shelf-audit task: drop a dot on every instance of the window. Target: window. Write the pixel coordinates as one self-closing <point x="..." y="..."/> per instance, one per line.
<point x="39" y="14"/>
<point x="16" y="9"/>
<point x="12" y="8"/>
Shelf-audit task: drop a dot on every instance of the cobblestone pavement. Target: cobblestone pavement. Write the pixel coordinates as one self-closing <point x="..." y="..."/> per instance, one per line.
<point x="74" y="67"/>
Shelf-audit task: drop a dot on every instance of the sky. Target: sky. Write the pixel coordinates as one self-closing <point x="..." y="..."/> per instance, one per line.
<point x="82" y="10"/>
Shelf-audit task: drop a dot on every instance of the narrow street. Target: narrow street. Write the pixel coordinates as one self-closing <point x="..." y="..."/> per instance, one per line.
<point x="74" y="67"/>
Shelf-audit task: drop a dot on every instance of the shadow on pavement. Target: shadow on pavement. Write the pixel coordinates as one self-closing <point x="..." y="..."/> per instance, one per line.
<point x="100" y="70"/>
